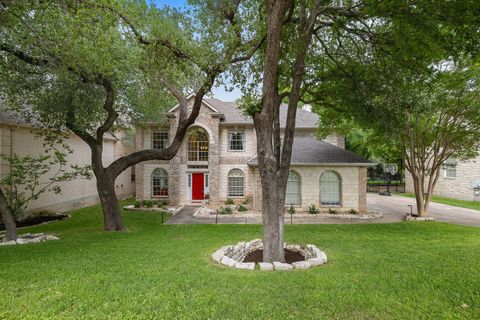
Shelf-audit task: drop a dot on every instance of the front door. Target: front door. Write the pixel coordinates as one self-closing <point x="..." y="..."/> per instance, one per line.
<point x="197" y="186"/>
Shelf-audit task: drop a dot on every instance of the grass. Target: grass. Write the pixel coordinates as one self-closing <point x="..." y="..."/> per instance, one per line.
<point x="385" y="271"/>
<point x="453" y="202"/>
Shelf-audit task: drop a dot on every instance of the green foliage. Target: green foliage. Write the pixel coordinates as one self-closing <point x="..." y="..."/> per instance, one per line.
<point x="353" y="211"/>
<point x="241" y="208"/>
<point x="147" y="203"/>
<point x="291" y="209"/>
<point x="33" y="175"/>
<point x="247" y="200"/>
<point x="137" y="204"/>
<point x="332" y="211"/>
<point x="229" y="201"/>
<point x="312" y="209"/>
<point x="225" y="210"/>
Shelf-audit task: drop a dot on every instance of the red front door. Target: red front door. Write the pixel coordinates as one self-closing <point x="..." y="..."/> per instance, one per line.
<point x="197" y="186"/>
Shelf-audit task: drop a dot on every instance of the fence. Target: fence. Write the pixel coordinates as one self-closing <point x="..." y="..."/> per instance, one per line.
<point x="397" y="187"/>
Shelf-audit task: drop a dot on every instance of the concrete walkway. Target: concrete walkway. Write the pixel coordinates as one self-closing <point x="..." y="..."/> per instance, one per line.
<point x="394" y="209"/>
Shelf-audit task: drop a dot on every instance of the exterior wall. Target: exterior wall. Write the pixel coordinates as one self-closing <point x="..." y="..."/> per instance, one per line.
<point x="336" y="140"/>
<point x="77" y="193"/>
<point x="459" y="187"/>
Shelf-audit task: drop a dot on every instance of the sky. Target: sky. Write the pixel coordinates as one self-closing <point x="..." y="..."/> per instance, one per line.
<point x="218" y="92"/>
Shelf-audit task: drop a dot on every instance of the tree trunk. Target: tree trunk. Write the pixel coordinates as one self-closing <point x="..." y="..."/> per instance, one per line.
<point x="7" y="218"/>
<point x="273" y="218"/>
<point x="108" y="198"/>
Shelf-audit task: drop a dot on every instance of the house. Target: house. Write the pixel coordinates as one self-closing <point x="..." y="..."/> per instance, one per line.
<point x="17" y="137"/>
<point x="218" y="159"/>
<point x="457" y="180"/>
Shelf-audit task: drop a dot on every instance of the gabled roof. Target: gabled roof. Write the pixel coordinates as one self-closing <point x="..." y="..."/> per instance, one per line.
<point x="308" y="150"/>
<point x="233" y="115"/>
<point x="190" y="96"/>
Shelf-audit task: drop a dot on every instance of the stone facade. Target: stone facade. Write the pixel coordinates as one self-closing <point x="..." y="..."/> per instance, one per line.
<point x="221" y="161"/>
<point x="459" y="187"/>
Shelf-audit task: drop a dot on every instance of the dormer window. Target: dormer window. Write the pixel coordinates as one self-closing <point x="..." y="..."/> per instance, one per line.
<point x="159" y="139"/>
<point x="236" y="140"/>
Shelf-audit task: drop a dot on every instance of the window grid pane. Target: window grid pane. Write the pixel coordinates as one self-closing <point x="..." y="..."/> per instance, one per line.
<point x="159" y="183"/>
<point x="159" y="139"/>
<point x="292" y="195"/>
<point x="236" y="140"/>
<point x="236" y="183"/>
<point x="330" y="189"/>
<point x="197" y="146"/>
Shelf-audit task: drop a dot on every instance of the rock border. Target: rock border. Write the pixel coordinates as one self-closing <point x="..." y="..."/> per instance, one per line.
<point x="171" y="210"/>
<point x="207" y="213"/>
<point x="232" y="256"/>
<point x="413" y="218"/>
<point x="28" y="238"/>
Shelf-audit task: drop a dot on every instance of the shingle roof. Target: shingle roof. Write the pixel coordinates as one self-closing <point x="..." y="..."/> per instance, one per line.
<point x="310" y="150"/>
<point x="304" y="119"/>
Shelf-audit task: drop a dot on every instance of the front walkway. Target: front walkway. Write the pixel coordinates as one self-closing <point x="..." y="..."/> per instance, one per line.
<point x="394" y="209"/>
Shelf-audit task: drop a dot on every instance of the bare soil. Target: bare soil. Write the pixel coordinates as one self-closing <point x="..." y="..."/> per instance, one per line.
<point x="290" y="256"/>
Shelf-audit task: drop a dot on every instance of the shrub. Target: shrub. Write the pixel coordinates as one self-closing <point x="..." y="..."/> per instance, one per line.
<point x="242" y="208"/>
<point x="229" y="201"/>
<point x="353" y="211"/>
<point x="226" y="210"/>
<point x="148" y="203"/>
<point x="247" y="200"/>
<point x="164" y="203"/>
<point x="137" y="204"/>
<point x="312" y="209"/>
<point x="332" y="211"/>
<point x="291" y="209"/>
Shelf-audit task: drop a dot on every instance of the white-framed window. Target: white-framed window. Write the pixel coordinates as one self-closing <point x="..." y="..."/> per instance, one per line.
<point x="159" y="183"/>
<point x="236" y="140"/>
<point x="450" y="168"/>
<point x="197" y="145"/>
<point x="292" y="194"/>
<point x="330" y="189"/>
<point x="236" y="183"/>
<point x="159" y="139"/>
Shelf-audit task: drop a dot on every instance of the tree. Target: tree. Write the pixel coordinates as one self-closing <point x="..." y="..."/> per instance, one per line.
<point x="33" y="175"/>
<point x="307" y="44"/>
<point x="88" y="66"/>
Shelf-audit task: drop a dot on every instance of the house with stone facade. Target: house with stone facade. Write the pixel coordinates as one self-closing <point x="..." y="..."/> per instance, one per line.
<point x="217" y="160"/>
<point x="458" y="180"/>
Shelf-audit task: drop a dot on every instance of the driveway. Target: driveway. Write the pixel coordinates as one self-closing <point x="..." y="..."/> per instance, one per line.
<point x="395" y="207"/>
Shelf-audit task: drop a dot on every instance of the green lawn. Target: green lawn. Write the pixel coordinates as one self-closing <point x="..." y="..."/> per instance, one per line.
<point x="449" y="201"/>
<point x="389" y="271"/>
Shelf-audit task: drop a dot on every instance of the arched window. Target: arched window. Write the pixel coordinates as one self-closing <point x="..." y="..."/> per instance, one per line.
<point x="197" y="145"/>
<point x="236" y="183"/>
<point x="292" y="195"/>
<point x="330" y="189"/>
<point x="159" y="183"/>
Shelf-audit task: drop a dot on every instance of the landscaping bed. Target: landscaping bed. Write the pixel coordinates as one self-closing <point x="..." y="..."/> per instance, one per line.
<point x="36" y="219"/>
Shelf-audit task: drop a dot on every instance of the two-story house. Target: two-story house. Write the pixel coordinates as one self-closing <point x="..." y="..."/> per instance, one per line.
<point x="218" y="158"/>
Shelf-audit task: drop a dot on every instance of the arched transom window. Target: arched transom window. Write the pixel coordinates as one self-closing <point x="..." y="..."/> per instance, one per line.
<point x="197" y="145"/>
<point x="236" y="183"/>
<point x="292" y="195"/>
<point x="330" y="189"/>
<point x="159" y="183"/>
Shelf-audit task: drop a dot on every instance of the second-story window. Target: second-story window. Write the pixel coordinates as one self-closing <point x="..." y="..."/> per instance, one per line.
<point x="159" y="139"/>
<point x="236" y="140"/>
<point x="197" y="145"/>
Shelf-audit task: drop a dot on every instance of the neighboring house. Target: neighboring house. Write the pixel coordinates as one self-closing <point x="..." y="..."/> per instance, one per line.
<point x="457" y="180"/>
<point x="218" y="158"/>
<point x="16" y="137"/>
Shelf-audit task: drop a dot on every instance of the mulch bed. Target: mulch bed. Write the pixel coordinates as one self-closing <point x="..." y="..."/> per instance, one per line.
<point x="35" y="220"/>
<point x="290" y="256"/>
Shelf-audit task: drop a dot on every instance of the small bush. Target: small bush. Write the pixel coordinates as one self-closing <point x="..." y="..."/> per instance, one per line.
<point x="353" y="211"/>
<point x="312" y="209"/>
<point x="226" y="210"/>
<point x="332" y="211"/>
<point x="291" y="209"/>
<point x="137" y="204"/>
<point x="241" y="208"/>
<point x="247" y="200"/>
<point x="229" y="201"/>
<point x="148" y="203"/>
